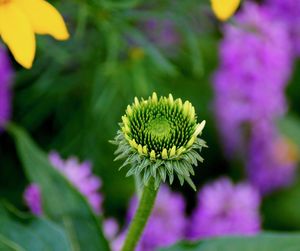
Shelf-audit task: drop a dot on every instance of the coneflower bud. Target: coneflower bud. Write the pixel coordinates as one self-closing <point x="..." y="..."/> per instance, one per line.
<point x="159" y="137"/>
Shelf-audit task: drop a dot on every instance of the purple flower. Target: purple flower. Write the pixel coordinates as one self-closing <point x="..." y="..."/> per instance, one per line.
<point x="110" y="228"/>
<point x="117" y="243"/>
<point x="79" y="174"/>
<point x="288" y="11"/>
<point x="271" y="159"/>
<point x="225" y="209"/>
<point x="32" y="198"/>
<point x="6" y="74"/>
<point x="255" y="65"/>
<point x="166" y="224"/>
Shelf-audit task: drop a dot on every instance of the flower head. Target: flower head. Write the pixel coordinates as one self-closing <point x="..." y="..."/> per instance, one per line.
<point x="160" y="138"/>
<point x="33" y="199"/>
<point x="166" y="224"/>
<point x="20" y="19"/>
<point x="224" y="9"/>
<point x="79" y="174"/>
<point x="243" y="95"/>
<point x="224" y="209"/>
<point x="6" y="74"/>
<point x="247" y="102"/>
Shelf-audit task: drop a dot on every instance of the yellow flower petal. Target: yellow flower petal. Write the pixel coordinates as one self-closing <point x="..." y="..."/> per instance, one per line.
<point x="44" y="18"/>
<point x="17" y="33"/>
<point x="224" y="9"/>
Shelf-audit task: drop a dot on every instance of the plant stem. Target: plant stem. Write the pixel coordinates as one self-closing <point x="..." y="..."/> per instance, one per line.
<point x="138" y="185"/>
<point x="141" y="216"/>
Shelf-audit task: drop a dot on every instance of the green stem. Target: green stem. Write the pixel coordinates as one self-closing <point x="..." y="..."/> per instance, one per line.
<point x="141" y="216"/>
<point x="138" y="185"/>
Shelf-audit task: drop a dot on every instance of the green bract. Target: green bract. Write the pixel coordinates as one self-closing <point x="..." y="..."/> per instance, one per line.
<point x="160" y="138"/>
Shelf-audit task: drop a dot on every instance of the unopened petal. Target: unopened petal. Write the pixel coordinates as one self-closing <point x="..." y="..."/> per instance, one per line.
<point x="17" y="33"/>
<point x="44" y="18"/>
<point x="224" y="9"/>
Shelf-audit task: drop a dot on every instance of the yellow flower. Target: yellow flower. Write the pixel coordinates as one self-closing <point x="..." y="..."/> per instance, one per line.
<point x="224" y="9"/>
<point x="21" y="19"/>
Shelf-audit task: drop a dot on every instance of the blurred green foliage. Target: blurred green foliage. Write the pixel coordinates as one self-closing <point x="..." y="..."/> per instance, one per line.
<point x="262" y="242"/>
<point x="63" y="203"/>
<point x="74" y="96"/>
<point x="19" y="231"/>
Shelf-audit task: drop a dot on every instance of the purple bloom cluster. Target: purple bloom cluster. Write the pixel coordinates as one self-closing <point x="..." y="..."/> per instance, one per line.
<point x="224" y="209"/>
<point x="271" y="158"/>
<point x="79" y="174"/>
<point x="288" y="11"/>
<point x="166" y="224"/>
<point x="6" y="74"/>
<point x="33" y="199"/>
<point x="110" y="228"/>
<point x="255" y="64"/>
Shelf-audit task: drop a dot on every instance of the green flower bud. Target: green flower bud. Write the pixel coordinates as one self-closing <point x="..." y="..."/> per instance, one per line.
<point x="159" y="138"/>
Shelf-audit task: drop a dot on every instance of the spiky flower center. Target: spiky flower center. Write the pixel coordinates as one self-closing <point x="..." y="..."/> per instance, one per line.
<point x="160" y="128"/>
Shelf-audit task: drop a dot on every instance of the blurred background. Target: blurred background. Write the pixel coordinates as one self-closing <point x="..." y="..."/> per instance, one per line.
<point x="243" y="77"/>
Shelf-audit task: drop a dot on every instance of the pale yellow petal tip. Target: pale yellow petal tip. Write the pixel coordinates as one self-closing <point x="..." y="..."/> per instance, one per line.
<point x="152" y="155"/>
<point x="64" y="35"/>
<point x="173" y="151"/>
<point x="224" y="9"/>
<point x="154" y="97"/>
<point x="199" y="128"/>
<point x="164" y="153"/>
<point x="24" y="60"/>
<point x="25" y="63"/>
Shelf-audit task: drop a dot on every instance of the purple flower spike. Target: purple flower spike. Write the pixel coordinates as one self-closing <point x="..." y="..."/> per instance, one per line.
<point x="255" y="65"/>
<point x="80" y="174"/>
<point x="32" y="197"/>
<point x="6" y="75"/>
<point x="225" y="209"/>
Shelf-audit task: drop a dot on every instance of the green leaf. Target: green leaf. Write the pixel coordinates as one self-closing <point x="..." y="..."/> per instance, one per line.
<point x="61" y="201"/>
<point x="8" y="245"/>
<point x="262" y="242"/>
<point x="37" y="235"/>
<point x="281" y="208"/>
